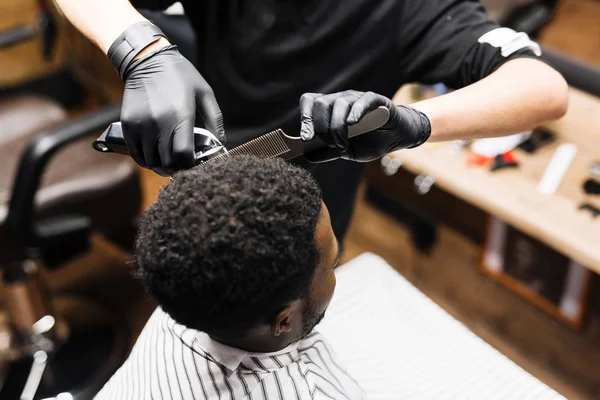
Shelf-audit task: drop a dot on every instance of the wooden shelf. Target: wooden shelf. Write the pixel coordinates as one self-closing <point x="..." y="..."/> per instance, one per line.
<point x="512" y="195"/>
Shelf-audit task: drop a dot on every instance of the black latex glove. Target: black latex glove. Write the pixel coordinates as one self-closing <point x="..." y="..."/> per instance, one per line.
<point x="164" y="93"/>
<point x="328" y="117"/>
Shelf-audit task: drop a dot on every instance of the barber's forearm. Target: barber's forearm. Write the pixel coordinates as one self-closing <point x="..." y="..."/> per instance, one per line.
<point x="102" y="21"/>
<point x="520" y="95"/>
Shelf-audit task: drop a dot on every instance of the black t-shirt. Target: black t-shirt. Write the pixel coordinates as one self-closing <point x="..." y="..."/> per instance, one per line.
<point x="260" y="56"/>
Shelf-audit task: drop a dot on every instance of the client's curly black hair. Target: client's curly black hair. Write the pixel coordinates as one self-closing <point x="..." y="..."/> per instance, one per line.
<point x="227" y="246"/>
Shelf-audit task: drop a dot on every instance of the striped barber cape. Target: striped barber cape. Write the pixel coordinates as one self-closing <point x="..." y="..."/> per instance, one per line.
<point x="170" y="361"/>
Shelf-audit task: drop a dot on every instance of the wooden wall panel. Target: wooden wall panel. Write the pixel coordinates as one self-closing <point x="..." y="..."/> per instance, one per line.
<point x="24" y="61"/>
<point x="575" y="30"/>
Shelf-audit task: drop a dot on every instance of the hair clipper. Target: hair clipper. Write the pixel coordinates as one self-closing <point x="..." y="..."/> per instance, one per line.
<point x="206" y="144"/>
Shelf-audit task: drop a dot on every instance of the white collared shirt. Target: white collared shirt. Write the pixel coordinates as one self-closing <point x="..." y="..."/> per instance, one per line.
<point x="170" y="361"/>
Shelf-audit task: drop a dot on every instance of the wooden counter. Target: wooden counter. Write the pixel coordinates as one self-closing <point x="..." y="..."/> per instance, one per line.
<point x="512" y="195"/>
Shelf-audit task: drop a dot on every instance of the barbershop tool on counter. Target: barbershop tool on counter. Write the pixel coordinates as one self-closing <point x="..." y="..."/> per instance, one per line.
<point x="591" y="186"/>
<point x="539" y="138"/>
<point x="271" y="145"/>
<point x="593" y="210"/>
<point x="557" y="168"/>
<point x="595" y="170"/>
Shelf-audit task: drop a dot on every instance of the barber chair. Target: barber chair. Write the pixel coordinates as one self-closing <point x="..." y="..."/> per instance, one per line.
<point x="55" y="192"/>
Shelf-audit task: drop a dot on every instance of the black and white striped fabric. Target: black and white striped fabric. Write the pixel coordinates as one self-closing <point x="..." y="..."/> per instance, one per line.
<point x="170" y="361"/>
<point x="393" y="340"/>
<point x="400" y="345"/>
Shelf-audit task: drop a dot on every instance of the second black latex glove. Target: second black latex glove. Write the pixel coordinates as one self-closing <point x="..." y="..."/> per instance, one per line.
<point x="164" y="93"/>
<point x="328" y="117"/>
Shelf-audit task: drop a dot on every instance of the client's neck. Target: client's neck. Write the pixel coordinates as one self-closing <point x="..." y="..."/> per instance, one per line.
<point x="256" y="344"/>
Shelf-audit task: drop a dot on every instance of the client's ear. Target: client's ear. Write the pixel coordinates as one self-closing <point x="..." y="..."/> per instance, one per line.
<point x="282" y="322"/>
<point x="288" y="319"/>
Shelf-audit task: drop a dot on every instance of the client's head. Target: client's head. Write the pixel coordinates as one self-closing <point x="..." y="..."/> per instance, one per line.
<point x="242" y="250"/>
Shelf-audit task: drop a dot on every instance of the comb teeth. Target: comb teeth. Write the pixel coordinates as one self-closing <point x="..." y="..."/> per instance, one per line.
<point x="270" y="145"/>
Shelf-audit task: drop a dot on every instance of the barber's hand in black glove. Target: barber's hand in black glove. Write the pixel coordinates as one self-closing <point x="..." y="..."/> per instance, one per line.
<point x="328" y="117"/>
<point x="164" y="93"/>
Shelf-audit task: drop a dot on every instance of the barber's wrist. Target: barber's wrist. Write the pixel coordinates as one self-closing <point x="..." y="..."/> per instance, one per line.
<point x="136" y="41"/>
<point x="107" y="36"/>
<point x="159" y="44"/>
<point x="421" y="125"/>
